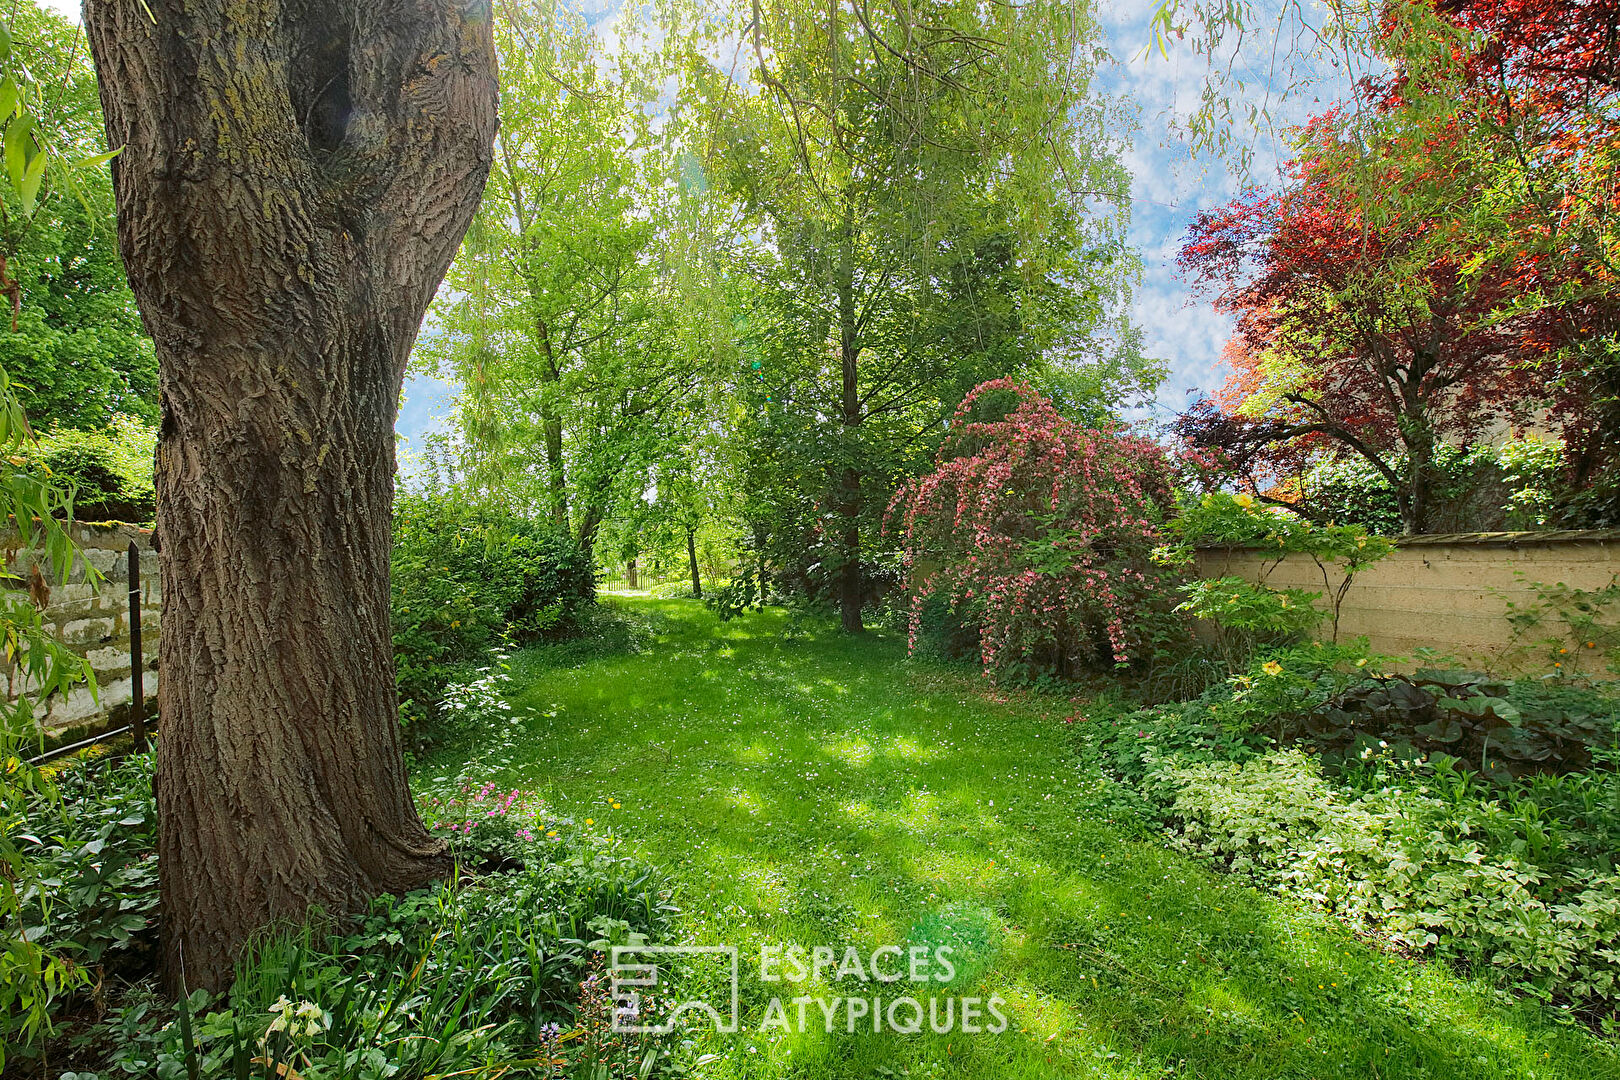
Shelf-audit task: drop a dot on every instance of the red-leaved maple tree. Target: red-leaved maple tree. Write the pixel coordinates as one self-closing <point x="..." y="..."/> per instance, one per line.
<point x="1433" y="275"/>
<point x="1038" y="530"/>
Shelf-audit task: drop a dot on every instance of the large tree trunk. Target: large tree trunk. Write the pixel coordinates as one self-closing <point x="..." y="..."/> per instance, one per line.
<point x="850" y="415"/>
<point x="692" y="563"/>
<point x="556" y="478"/>
<point x="295" y="179"/>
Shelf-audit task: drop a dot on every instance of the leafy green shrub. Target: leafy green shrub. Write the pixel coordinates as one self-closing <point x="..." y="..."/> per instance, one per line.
<point x="485" y="967"/>
<point x="476" y="974"/>
<point x="746" y="591"/>
<point x="1244" y="618"/>
<point x="944" y="630"/>
<point x="93" y="846"/>
<point x="1571" y="630"/>
<point x="1277" y="693"/>
<point x="81" y="889"/>
<point x="1406" y="861"/>
<point x="466" y="580"/>
<point x="607" y="628"/>
<point x="1263" y="615"/>
<point x="110" y="472"/>
<point x="1477" y="489"/>
<point x="1499" y="727"/>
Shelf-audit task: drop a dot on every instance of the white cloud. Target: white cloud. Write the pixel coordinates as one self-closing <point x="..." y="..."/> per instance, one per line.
<point x="70" y="9"/>
<point x="1170" y="185"/>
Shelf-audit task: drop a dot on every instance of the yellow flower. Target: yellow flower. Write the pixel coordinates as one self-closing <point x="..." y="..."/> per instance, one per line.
<point x="590" y="821"/>
<point x="1246" y="501"/>
<point x="1271" y="667"/>
<point x="553" y="832"/>
<point x="615" y="806"/>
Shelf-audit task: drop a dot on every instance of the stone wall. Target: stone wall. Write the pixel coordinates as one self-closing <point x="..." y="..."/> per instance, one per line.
<point x="1447" y="593"/>
<point x="93" y="620"/>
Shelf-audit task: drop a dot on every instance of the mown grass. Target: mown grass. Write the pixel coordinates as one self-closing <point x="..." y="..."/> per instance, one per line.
<point x="820" y="789"/>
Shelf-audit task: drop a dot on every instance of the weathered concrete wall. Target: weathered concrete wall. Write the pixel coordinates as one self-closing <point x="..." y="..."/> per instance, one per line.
<point x="93" y="620"/>
<point x="1447" y="593"/>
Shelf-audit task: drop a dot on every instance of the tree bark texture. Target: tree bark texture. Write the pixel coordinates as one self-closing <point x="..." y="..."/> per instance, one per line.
<point x="296" y="177"/>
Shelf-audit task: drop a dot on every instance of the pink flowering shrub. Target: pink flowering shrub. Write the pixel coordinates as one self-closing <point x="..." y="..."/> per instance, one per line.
<point x="487" y="826"/>
<point x="1037" y="531"/>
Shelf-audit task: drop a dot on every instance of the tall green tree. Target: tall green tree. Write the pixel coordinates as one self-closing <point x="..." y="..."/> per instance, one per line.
<point x="933" y="200"/>
<point x="560" y="333"/>
<point x="76" y="350"/>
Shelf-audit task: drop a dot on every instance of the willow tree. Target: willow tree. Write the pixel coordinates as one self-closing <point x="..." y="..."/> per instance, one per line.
<point x="294" y="181"/>
<point x="558" y="331"/>
<point x="922" y="180"/>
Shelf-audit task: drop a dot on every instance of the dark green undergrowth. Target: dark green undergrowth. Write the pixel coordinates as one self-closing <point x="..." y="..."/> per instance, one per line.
<point x="497" y="970"/>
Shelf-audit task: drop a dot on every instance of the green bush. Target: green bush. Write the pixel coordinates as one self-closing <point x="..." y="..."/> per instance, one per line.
<point x="1515" y="875"/>
<point x="477" y="974"/>
<point x="109" y="471"/>
<point x="1410" y="863"/>
<point x="467" y="580"/>
<point x="498" y="964"/>
<point x="943" y="630"/>
<point x="1501" y="728"/>
<point x="81" y="885"/>
<point x="1478" y="489"/>
<point x="1247" y="619"/>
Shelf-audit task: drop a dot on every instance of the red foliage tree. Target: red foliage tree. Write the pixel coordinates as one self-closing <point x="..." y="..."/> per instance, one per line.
<point x="1539" y="97"/>
<point x="1039" y="529"/>
<point x="1356" y="332"/>
<point x="1440" y="268"/>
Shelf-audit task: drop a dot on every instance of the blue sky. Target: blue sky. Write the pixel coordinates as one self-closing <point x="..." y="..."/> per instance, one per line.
<point x="1168" y="189"/>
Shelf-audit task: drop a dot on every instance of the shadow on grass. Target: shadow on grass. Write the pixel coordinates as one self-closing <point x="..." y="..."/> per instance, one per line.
<point x="823" y="790"/>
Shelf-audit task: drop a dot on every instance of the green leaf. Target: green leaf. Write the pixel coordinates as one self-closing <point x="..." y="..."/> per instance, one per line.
<point x="16" y="148"/>
<point x="33" y="177"/>
<point x="97" y="160"/>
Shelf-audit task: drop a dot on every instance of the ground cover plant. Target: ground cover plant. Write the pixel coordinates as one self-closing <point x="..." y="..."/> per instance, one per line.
<point x="820" y="789"/>
<point x="1451" y="812"/>
<point x="1512" y="875"/>
<point x="496" y="969"/>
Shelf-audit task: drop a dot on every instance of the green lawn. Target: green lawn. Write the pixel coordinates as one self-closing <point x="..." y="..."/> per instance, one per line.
<point x="823" y="790"/>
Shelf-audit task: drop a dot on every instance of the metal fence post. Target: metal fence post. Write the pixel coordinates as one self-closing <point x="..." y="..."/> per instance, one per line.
<point x="137" y="715"/>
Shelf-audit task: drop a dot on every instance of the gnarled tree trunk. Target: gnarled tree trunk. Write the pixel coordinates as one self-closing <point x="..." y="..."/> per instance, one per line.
<point x="295" y="179"/>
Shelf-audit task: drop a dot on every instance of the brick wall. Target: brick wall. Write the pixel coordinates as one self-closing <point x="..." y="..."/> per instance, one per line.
<point x="93" y="620"/>
<point x="1442" y="592"/>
